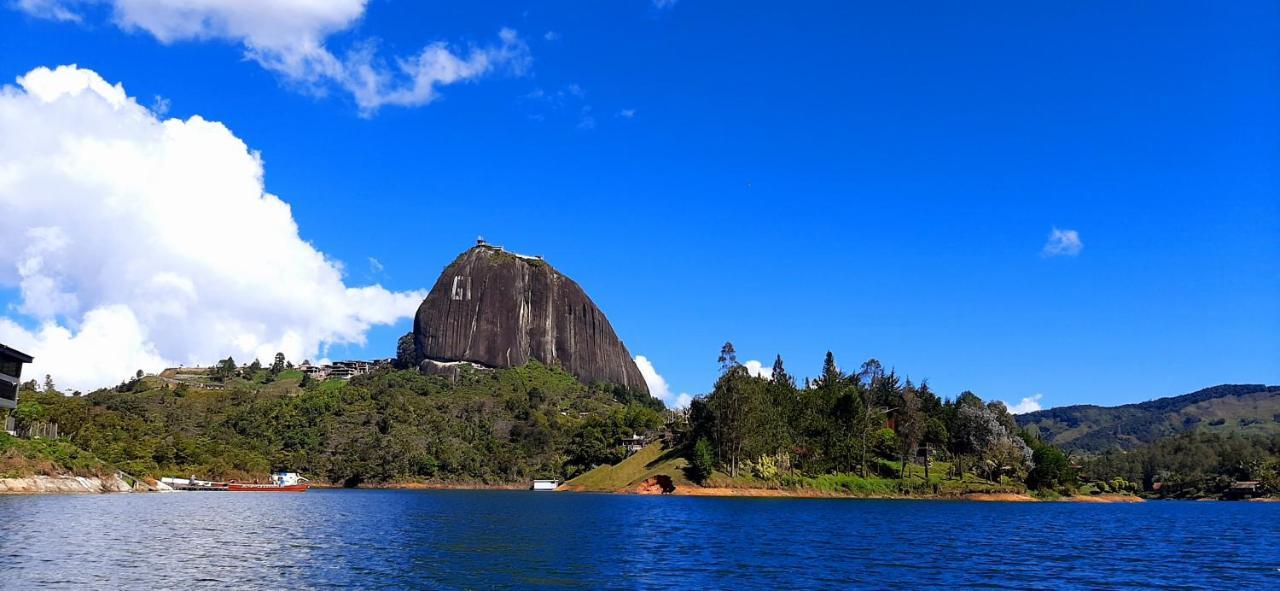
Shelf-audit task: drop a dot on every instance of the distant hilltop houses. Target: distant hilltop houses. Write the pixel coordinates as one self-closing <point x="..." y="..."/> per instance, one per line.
<point x="214" y="377"/>
<point x="343" y="370"/>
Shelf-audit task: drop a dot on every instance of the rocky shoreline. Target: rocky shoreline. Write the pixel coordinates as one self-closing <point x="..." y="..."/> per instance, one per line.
<point x="70" y="484"/>
<point x="64" y="485"/>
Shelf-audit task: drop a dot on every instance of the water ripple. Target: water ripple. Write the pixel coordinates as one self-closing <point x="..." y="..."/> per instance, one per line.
<point x="462" y="540"/>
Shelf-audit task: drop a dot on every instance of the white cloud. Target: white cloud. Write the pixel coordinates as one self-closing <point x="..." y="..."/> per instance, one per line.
<point x="551" y="36"/>
<point x="658" y="386"/>
<point x="1062" y="243"/>
<point x="288" y="37"/>
<point x="373" y="85"/>
<point x="664" y="4"/>
<point x="48" y="9"/>
<point x="136" y="243"/>
<point x="627" y="113"/>
<point x="758" y="369"/>
<point x="1026" y="405"/>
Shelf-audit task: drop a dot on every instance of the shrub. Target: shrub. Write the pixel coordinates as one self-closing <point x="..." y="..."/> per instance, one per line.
<point x="768" y="467"/>
<point x="703" y="461"/>
<point x="1051" y="468"/>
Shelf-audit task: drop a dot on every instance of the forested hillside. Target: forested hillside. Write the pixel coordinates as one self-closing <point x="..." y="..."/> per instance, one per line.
<point x="1195" y="464"/>
<point x="867" y="431"/>
<point x="494" y="427"/>
<point x="1247" y="408"/>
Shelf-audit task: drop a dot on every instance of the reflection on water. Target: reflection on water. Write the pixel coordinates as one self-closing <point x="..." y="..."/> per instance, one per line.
<point x="461" y="539"/>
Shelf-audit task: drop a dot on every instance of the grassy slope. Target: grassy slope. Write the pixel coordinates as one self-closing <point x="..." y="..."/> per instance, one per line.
<point x="644" y="464"/>
<point x="21" y="458"/>
<point x="654" y="460"/>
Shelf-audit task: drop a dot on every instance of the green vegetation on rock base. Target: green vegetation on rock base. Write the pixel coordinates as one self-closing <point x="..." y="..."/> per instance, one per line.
<point x="492" y="427"/>
<point x="20" y="458"/>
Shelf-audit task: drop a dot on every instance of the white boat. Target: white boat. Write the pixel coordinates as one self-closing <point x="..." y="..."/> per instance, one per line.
<point x="545" y="484"/>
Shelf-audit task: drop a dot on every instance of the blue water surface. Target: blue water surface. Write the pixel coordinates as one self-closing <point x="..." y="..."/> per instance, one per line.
<point x="376" y="539"/>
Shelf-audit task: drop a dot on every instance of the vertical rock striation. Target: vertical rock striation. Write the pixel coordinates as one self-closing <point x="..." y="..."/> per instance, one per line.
<point x="500" y="309"/>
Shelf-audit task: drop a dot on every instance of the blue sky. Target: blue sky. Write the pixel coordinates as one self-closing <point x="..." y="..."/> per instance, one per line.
<point x="875" y="179"/>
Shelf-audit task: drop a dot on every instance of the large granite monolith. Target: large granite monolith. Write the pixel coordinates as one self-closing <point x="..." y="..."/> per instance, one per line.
<point x="500" y="309"/>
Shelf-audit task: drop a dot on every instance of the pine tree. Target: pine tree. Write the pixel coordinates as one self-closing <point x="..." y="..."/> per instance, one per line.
<point x="780" y="375"/>
<point x="48" y="383"/>
<point x="830" y="372"/>
<point x="278" y="365"/>
<point x="703" y="461"/>
<point x="909" y="422"/>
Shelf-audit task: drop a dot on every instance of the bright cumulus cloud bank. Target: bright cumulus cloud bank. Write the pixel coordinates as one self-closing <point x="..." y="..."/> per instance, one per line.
<point x="136" y="243"/>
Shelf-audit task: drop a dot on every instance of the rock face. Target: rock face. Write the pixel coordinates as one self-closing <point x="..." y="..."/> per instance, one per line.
<point x="499" y="309"/>
<point x="63" y="484"/>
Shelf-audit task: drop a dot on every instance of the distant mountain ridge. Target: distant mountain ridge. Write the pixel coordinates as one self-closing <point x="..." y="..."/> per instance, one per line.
<point x="1251" y="408"/>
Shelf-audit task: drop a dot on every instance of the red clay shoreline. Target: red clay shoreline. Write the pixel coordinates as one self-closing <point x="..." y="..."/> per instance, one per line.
<point x="689" y="491"/>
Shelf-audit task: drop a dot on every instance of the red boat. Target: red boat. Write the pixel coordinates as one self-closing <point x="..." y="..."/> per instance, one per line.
<point x="250" y="487"/>
<point x="280" y="482"/>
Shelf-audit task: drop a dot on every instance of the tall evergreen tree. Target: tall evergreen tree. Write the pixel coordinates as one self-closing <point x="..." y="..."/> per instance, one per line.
<point x="909" y="424"/>
<point x="830" y="372"/>
<point x="870" y="376"/>
<point x="728" y="357"/>
<point x="277" y="366"/>
<point x="780" y="375"/>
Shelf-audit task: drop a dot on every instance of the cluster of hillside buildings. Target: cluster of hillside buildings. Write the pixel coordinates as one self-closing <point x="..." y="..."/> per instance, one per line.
<point x="343" y="370"/>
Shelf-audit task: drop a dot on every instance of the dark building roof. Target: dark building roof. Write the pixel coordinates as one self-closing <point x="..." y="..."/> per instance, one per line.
<point x="10" y="354"/>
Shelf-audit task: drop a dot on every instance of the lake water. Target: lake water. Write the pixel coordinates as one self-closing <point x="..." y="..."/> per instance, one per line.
<point x="470" y="539"/>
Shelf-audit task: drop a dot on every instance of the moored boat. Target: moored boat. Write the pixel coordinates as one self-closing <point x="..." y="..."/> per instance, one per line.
<point x="193" y="483"/>
<point x="545" y="485"/>
<point x="280" y="482"/>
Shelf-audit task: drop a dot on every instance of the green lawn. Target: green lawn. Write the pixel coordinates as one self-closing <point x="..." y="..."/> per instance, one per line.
<point x="332" y="385"/>
<point x="654" y="460"/>
<point x="644" y="464"/>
